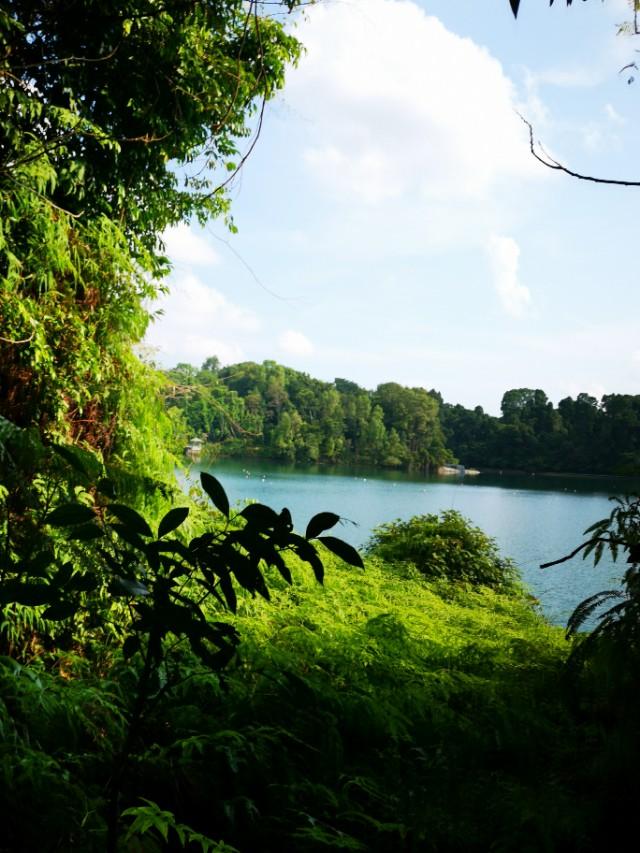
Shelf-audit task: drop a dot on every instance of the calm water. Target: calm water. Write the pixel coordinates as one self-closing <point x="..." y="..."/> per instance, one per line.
<point x="533" y="519"/>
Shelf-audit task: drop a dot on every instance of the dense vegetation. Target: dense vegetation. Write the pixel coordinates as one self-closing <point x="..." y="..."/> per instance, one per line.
<point x="578" y="435"/>
<point x="381" y="711"/>
<point x="285" y="414"/>
<point x="164" y="683"/>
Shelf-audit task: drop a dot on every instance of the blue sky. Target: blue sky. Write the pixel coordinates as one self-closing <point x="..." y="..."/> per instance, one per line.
<point x="394" y="227"/>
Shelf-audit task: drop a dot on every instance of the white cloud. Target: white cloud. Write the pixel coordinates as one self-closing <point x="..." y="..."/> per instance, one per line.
<point x="295" y="343"/>
<point x="199" y="321"/>
<point x="185" y="247"/>
<point x="400" y="106"/>
<point x="504" y="257"/>
<point x="613" y="115"/>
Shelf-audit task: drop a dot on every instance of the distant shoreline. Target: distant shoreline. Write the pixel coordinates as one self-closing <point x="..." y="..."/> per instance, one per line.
<point x="572" y="474"/>
<point x="209" y="454"/>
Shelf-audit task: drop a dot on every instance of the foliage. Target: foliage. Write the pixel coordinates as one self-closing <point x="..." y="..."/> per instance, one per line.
<point x="580" y="435"/>
<point x="446" y="546"/>
<point x="95" y="120"/>
<point x="619" y="625"/>
<point x="94" y="573"/>
<point x="604" y="664"/>
<point x="281" y="413"/>
<point x="369" y="713"/>
<point x="284" y="414"/>
<point x="155" y="825"/>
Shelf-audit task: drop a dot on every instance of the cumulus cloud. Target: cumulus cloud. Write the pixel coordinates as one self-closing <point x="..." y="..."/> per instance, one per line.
<point x="504" y="257"/>
<point x="198" y="321"/>
<point x="295" y="343"/>
<point x="184" y="246"/>
<point x="399" y="105"/>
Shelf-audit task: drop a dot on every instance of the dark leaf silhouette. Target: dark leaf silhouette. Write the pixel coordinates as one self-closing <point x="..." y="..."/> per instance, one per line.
<point x="321" y="522"/>
<point x="215" y="491"/>
<point x="343" y="550"/>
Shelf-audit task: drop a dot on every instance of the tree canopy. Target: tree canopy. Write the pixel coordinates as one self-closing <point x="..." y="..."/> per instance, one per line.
<point x="110" y="132"/>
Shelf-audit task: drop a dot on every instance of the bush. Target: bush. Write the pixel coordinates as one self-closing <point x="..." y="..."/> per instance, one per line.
<point x="446" y="547"/>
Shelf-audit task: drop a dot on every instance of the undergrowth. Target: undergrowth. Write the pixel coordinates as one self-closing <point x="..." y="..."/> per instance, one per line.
<point x="379" y="712"/>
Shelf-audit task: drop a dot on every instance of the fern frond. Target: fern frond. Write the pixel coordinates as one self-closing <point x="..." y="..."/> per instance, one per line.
<point x="587" y="607"/>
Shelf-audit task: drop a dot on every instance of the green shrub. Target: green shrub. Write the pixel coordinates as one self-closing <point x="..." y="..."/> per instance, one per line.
<point x="446" y="546"/>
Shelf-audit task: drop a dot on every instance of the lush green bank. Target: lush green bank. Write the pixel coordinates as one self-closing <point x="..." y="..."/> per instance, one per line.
<point x="280" y="413"/>
<point x="377" y="712"/>
<point x="387" y="709"/>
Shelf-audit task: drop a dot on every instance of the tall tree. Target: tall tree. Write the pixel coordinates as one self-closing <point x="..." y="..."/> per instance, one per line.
<point x="99" y="102"/>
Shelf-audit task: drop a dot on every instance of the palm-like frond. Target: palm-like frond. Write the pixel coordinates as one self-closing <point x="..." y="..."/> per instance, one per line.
<point x="587" y="607"/>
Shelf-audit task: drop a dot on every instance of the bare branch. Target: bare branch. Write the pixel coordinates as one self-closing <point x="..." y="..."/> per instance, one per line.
<point x="550" y="163"/>
<point x="15" y="343"/>
<point x="574" y="552"/>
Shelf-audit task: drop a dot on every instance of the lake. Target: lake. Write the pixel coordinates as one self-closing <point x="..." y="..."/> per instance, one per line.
<point x="534" y="519"/>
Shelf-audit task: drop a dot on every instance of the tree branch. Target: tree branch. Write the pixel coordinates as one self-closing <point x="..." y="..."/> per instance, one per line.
<point x="573" y="553"/>
<point x="550" y="163"/>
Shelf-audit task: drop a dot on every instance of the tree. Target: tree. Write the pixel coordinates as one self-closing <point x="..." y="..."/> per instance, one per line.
<point x="95" y="120"/>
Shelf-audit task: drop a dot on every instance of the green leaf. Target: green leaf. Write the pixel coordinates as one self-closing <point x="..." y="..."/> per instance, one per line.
<point x="29" y="594"/>
<point x="131" y="519"/>
<point x="106" y="487"/>
<point x="226" y="585"/>
<point x="172" y="520"/>
<point x="68" y="514"/>
<point x="261" y="516"/>
<point x="62" y="576"/>
<point x="60" y="610"/>
<point x="86" y="533"/>
<point x="82" y="582"/>
<point x="215" y="491"/>
<point x="125" y="586"/>
<point x="66" y="453"/>
<point x="321" y="521"/>
<point x="130" y="646"/>
<point x="129" y="536"/>
<point x="343" y="550"/>
<point x="38" y="565"/>
<point x="597" y="525"/>
<point x="307" y="552"/>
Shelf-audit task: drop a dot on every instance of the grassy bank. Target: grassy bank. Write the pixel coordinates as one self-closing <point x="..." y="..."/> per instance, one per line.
<point x="379" y="712"/>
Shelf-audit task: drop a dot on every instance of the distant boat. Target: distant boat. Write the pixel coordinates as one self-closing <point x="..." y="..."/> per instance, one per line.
<point x="457" y="471"/>
<point x="448" y="470"/>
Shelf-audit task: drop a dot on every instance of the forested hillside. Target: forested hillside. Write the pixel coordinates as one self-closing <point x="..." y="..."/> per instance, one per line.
<point x="284" y="414"/>
<point x="288" y="415"/>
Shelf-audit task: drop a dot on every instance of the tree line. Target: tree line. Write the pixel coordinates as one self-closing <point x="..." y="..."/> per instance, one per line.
<point x="281" y="413"/>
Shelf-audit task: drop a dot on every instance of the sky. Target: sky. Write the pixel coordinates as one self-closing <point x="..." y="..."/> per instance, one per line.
<point x="393" y="225"/>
